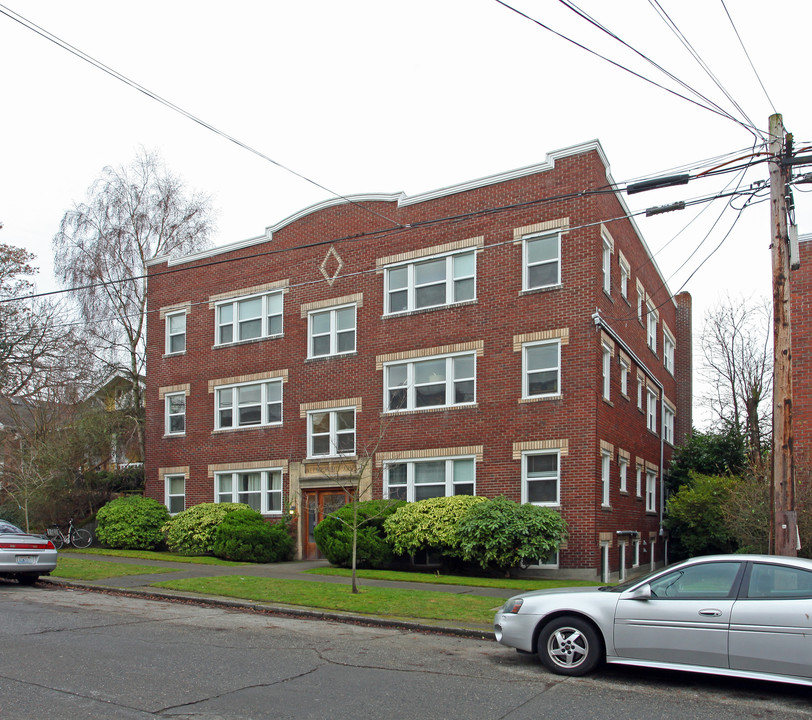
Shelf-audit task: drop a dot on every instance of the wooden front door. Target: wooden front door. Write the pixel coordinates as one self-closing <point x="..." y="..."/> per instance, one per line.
<point x="317" y="504"/>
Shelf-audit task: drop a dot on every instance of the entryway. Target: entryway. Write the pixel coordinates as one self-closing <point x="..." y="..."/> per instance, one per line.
<point x="315" y="505"/>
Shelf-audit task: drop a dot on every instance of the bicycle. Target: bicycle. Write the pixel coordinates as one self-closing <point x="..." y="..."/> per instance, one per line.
<point x="77" y="537"/>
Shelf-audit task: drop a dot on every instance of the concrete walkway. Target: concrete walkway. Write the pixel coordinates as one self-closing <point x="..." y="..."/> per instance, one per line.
<point x="142" y="585"/>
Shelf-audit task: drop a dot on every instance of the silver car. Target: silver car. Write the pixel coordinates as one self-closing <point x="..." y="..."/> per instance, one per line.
<point x="746" y="616"/>
<point x="24" y="556"/>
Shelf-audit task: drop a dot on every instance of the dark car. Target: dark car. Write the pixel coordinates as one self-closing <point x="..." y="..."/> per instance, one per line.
<point x="24" y="556"/>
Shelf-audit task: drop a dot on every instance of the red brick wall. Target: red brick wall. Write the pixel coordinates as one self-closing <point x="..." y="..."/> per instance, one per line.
<point x="801" y="320"/>
<point x="500" y="312"/>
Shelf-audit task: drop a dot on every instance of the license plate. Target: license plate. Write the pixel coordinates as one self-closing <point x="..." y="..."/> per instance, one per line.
<point x="26" y="559"/>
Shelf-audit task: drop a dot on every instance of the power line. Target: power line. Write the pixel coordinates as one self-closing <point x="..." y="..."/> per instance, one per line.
<point x="42" y="32"/>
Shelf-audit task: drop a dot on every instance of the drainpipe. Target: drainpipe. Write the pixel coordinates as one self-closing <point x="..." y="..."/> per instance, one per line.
<point x="602" y="324"/>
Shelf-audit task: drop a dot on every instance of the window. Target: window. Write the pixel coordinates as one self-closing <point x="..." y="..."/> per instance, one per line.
<point x="624" y="467"/>
<point x="542" y="261"/>
<point x="641" y="294"/>
<point x="247" y="405"/>
<point x="668" y="424"/>
<point x="251" y="318"/>
<point x="625" y="274"/>
<point x="331" y="332"/>
<point x="431" y="283"/>
<point x="606" y="370"/>
<point x="607" y="265"/>
<point x="651" y="491"/>
<point x="175" y="493"/>
<point x="651" y="415"/>
<point x="331" y="433"/>
<point x="421" y="479"/>
<point x="433" y="382"/>
<point x="542" y="367"/>
<point x="624" y="378"/>
<point x="261" y="489"/>
<point x="175" y="413"/>
<point x="705" y="581"/>
<point x="176" y="333"/>
<point x="540" y="478"/>
<point x="778" y="582"/>
<point x="651" y="324"/>
<point x="668" y="351"/>
<point x="639" y="392"/>
<point x="639" y="482"/>
<point x="605" y="465"/>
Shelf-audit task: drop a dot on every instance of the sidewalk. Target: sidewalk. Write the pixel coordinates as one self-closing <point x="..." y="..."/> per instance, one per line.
<point x="141" y="585"/>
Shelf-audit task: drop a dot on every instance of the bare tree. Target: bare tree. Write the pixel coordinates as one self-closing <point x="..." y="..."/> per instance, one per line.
<point x="33" y="333"/>
<point x="736" y="344"/>
<point x="132" y="214"/>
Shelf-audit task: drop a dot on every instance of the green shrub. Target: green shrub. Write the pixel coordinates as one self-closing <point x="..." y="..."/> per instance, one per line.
<point x="429" y="525"/>
<point x="191" y="532"/>
<point x="503" y="534"/>
<point x="244" y="536"/>
<point x="132" y="523"/>
<point x="334" y="534"/>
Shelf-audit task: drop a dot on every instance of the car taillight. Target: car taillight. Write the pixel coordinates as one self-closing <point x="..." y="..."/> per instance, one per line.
<point x="47" y="545"/>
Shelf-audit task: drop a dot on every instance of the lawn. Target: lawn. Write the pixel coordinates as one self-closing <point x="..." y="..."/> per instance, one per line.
<point x="152" y="555"/>
<point x="467" y="580"/>
<point x="385" y="602"/>
<point x="82" y="569"/>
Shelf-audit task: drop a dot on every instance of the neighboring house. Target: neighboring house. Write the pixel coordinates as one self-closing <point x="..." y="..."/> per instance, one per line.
<point x="115" y="394"/>
<point x="801" y="325"/>
<point x="509" y="335"/>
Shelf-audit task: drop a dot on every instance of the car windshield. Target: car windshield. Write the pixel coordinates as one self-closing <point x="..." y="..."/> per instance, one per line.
<point x="7" y="527"/>
<point x="622" y="587"/>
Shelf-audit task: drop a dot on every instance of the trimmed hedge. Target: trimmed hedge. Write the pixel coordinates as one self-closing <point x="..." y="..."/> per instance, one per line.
<point x="131" y="523"/>
<point x="334" y="534"/>
<point x="191" y="532"/>
<point x="244" y="536"/>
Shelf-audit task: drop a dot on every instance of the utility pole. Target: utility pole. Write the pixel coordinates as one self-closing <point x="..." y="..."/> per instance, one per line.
<point x="784" y="523"/>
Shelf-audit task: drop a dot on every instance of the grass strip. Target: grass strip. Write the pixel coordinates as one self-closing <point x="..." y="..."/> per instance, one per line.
<point x="81" y="569"/>
<point x="435" y="579"/>
<point x="152" y="555"/>
<point x="386" y="602"/>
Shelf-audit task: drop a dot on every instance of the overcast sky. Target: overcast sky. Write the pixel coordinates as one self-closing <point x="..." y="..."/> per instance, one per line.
<point x="401" y="96"/>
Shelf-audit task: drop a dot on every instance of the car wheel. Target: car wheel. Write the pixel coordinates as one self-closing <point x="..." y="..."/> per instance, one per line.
<point x="569" y="646"/>
<point x="27" y="578"/>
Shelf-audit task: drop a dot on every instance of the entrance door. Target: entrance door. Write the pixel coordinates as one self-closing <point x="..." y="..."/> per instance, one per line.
<point x="317" y="504"/>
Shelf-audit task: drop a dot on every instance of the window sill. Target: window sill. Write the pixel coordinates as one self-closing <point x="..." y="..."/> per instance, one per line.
<point x="335" y="356"/>
<point x="441" y="408"/>
<point x="168" y="436"/>
<point x="608" y="294"/>
<point x="433" y="308"/>
<point x="625" y="397"/>
<point x="540" y="398"/>
<point x="252" y="341"/>
<point x="607" y="401"/>
<point x="546" y="288"/>
<point x="218" y="431"/>
<point x="174" y="354"/>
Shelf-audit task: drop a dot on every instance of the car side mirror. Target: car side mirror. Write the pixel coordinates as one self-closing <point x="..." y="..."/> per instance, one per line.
<point x="641" y="593"/>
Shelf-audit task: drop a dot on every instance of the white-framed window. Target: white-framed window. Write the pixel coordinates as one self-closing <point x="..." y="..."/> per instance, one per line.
<point x="440" y="381"/>
<point x="651" y="491"/>
<point x="331" y="331"/>
<point x="638" y="484"/>
<point x="641" y="297"/>
<point x="176" y="332"/>
<point x="607" y="264"/>
<point x="606" y="370"/>
<point x="651" y="325"/>
<point x="175" y="493"/>
<point x="414" y="480"/>
<point x="248" y="404"/>
<point x="625" y="274"/>
<point x="550" y="562"/>
<point x="331" y="433"/>
<point x="541" y="480"/>
<point x="668" y="424"/>
<point x="261" y="489"/>
<point x="605" y="470"/>
<point x="639" y="392"/>
<point x="541" y="260"/>
<point x="175" y="413"/>
<point x="624" y="378"/>
<point x="434" y="282"/>
<point x="668" y="351"/>
<point x="249" y="318"/>
<point x="651" y="413"/>
<point x="623" y="465"/>
<point x="541" y="371"/>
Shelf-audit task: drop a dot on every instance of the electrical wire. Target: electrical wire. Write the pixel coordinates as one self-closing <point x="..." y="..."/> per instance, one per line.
<point x="42" y="32"/>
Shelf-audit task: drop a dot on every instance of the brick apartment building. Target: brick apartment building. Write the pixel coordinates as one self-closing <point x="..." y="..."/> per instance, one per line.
<point x="801" y="322"/>
<point x="510" y="335"/>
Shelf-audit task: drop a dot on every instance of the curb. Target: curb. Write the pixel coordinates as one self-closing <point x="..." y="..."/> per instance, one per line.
<point x="270" y="609"/>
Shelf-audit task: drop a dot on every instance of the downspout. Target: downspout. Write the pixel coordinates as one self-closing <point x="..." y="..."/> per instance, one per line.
<point x="601" y="324"/>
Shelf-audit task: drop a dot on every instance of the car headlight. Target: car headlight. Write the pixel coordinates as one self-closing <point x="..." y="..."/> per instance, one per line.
<point x="512" y="605"/>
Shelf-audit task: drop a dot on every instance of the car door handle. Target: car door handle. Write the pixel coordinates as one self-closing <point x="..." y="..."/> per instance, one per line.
<point x="711" y="612"/>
